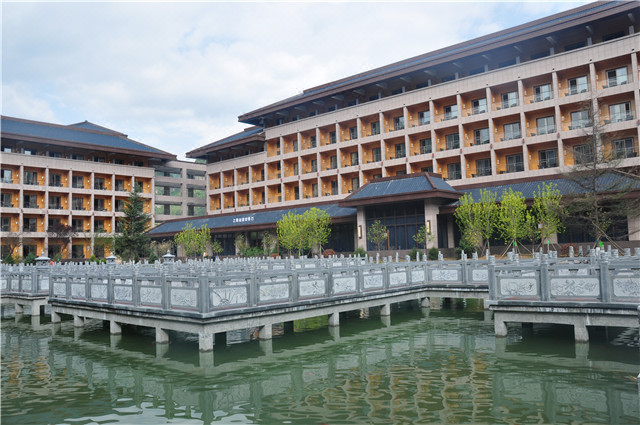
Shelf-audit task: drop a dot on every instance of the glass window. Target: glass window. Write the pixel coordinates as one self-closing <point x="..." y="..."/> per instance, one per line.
<point x="6" y="176"/>
<point x="400" y="150"/>
<point x="332" y="137"/>
<point x="578" y="85"/>
<point x="98" y="204"/>
<point x="353" y="133"/>
<point x="425" y="145"/>
<point x="454" y="171"/>
<point x="31" y="178"/>
<point x="175" y="210"/>
<point x="424" y="117"/>
<point x="616" y="77"/>
<point x="479" y="106"/>
<point x="333" y="162"/>
<point x="30" y="201"/>
<point x="453" y="141"/>
<point x="120" y="185"/>
<point x="98" y="183"/>
<point x="55" y="180"/>
<point x="398" y="123"/>
<point x="509" y="100"/>
<point x="77" y="204"/>
<point x="483" y="167"/>
<point x="582" y="154"/>
<point x="624" y="148"/>
<point x="377" y="154"/>
<point x="543" y="92"/>
<point x="55" y="202"/>
<point x="481" y="136"/>
<point x="77" y="182"/>
<point x="375" y="128"/>
<point x="620" y="112"/>
<point x="354" y="158"/>
<point x="548" y="158"/>
<point x="6" y="199"/>
<point x="580" y="119"/>
<point x="545" y="125"/>
<point x="512" y="131"/>
<point x="450" y="112"/>
<point x="515" y="163"/>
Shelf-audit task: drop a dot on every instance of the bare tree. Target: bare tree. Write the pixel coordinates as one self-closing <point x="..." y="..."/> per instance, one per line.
<point x="60" y="235"/>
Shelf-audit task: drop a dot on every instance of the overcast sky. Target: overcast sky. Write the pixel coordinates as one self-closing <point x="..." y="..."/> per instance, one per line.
<point x="177" y="75"/>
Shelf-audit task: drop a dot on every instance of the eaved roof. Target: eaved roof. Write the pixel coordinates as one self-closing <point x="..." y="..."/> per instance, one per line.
<point x="88" y="134"/>
<point x="401" y="188"/>
<point x="248" y="134"/>
<point x="241" y="220"/>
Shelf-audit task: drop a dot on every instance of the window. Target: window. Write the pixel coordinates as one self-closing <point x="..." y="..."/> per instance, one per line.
<point x="509" y="100"/>
<point x="515" y="163"/>
<point x="98" y="225"/>
<point x="6" y="176"/>
<point x="77" y="225"/>
<point x="98" y="159"/>
<point x="539" y="55"/>
<point x="117" y="161"/>
<point x="512" y="131"/>
<point x="119" y="205"/>
<point x="449" y="78"/>
<point x="333" y="161"/>
<point x="573" y="46"/>
<point x="55" y="155"/>
<point x="77" y="157"/>
<point x="296" y="171"/>
<point x="400" y="150"/>
<point x="77" y="182"/>
<point x="314" y="190"/>
<point x="548" y="158"/>
<point x="398" y="123"/>
<point x="138" y="163"/>
<point x="483" y="167"/>
<point x="314" y="165"/>
<point x="55" y="202"/>
<point x="543" y="92"/>
<point x="332" y="137"/>
<point x="5" y="199"/>
<point x="195" y="193"/>
<point x="313" y="141"/>
<point x="353" y="133"/>
<point x="377" y="154"/>
<point x="295" y="145"/>
<point x="545" y="125"/>
<point x="479" y="106"/>
<point x="450" y="112"/>
<point x="30" y="224"/>
<point x="31" y="178"/>
<point x="453" y="141"/>
<point x="454" y="171"/>
<point x="506" y="63"/>
<point x="354" y="158"/>
<point x="582" y="154"/>
<point x="425" y="145"/>
<point x="195" y="176"/>
<point x="334" y="187"/>
<point x="98" y="183"/>
<point x="355" y="183"/>
<point x="29" y="152"/>
<point x="424" y="117"/>
<point x="6" y="224"/>
<point x="55" y="180"/>
<point x="620" y="112"/>
<point x="481" y="136"/>
<point x="30" y="201"/>
<point x="77" y="251"/>
<point x="7" y="149"/>
<point x="77" y="204"/>
<point x="624" y="148"/>
<point x="98" y="204"/>
<point x="613" y="36"/>
<point x="196" y="210"/>
<point x="54" y="222"/>
<point x="375" y="128"/>
<point x="580" y="119"/>
<point x="578" y="85"/>
<point x="616" y="77"/>
<point x="120" y="185"/>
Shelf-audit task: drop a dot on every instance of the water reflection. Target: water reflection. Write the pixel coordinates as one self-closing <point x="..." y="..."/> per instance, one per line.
<point x="419" y="366"/>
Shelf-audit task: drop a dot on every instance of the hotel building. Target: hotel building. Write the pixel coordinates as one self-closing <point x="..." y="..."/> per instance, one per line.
<point x="79" y="175"/>
<point x="509" y="109"/>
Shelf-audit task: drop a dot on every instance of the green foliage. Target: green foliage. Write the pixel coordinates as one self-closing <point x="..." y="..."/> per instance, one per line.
<point x="8" y="259"/>
<point x="268" y="242"/>
<point x="30" y="258"/>
<point x="194" y="242"/>
<point x="465" y="246"/>
<point x="290" y="231"/>
<point x="422" y="237"/>
<point x="548" y="211"/>
<point x="477" y="220"/>
<point x="93" y="259"/>
<point x="316" y="228"/>
<point x="513" y="224"/>
<point x="433" y="253"/>
<point x="216" y="247"/>
<point x="241" y="243"/>
<point x="414" y="253"/>
<point x="57" y="258"/>
<point x="377" y="234"/>
<point x="253" y="251"/>
<point x="153" y="257"/>
<point x="133" y="242"/>
<point x="360" y="252"/>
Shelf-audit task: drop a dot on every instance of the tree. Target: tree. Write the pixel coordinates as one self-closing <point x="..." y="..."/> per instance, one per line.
<point x="216" y="247"/>
<point x="547" y="212"/>
<point x="102" y="242"/>
<point x="60" y="235"/>
<point x="423" y="237"/>
<point x="512" y="218"/>
<point x="268" y="241"/>
<point x="241" y="243"/>
<point x="606" y="181"/>
<point x="290" y="231"/>
<point x="133" y="242"/>
<point x="194" y="242"/>
<point x="478" y="220"/>
<point x="316" y="228"/>
<point x="377" y="233"/>
<point x="160" y="248"/>
<point x="12" y="241"/>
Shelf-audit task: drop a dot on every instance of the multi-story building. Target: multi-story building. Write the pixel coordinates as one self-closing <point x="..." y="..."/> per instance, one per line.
<point x="80" y="175"/>
<point x="500" y="110"/>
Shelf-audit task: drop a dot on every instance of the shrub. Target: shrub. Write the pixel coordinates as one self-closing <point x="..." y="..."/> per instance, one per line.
<point x="465" y="246"/>
<point x="360" y="252"/>
<point x="433" y="253"/>
<point x="30" y="259"/>
<point x="56" y="258"/>
<point x="153" y="257"/>
<point x="414" y="252"/>
<point x="93" y="258"/>
<point x="328" y="252"/>
<point x="9" y="259"/>
<point x="252" y="251"/>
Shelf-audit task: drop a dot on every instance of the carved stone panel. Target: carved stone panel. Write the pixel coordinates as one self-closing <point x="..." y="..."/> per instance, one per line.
<point x="78" y="290"/>
<point x="122" y="293"/>
<point x="15" y="283"/>
<point x="575" y="287"/>
<point x="627" y="287"/>
<point x="344" y="284"/>
<point x="221" y="297"/>
<point x="99" y="292"/>
<point x="59" y="289"/>
<point x="3" y="283"/>
<point x="184" y="298"/>
<point x="417" y="276"/>
<point x="373" y="281"/>
<point x="518" y="287"/>
<point x="445" y="275"/>
<point x="480" y="275"/>
<point x="273" y="292"/>
<point x="44" y="283"/>
<point x="151" y="295"/>
<point x="397" y="278"/>
<point x="27" y="284"/>
<point x="311" y="288"/>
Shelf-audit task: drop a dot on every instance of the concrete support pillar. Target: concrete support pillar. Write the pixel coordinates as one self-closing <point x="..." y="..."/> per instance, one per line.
<point x="386" y="321"/>
<point x="499" y="326"/>
<point x="205" y="341"/>
<point x="206" y="359"/>
<point x="488" y="315"/>
<point x="580" y="331"/>
<point x="77" y="333"/>
<point x="114" y="340"/>
<point x="265" y="332"/>
<point x="435" y="303"/>
<point x="114" y="327"/>
<point x="334" y="331"/>
<point x="55" y="317"/>
<point x="35" y="309"/>
<point x="582" y="352"/>
<point x="334" y="319"/>
<point x="162" y="337"/>
<point x="161" y="350"/>
<point x="266" y="345"/>
<point x="385" y="310"/>
<point x="35" y="322"/>
<point x="19" y="308"/>
<point x="78" y="322"/>
<point x="424" y="302"/>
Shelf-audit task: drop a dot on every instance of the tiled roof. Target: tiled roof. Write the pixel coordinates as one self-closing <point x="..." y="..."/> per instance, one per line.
<point x="397" y="186"/>
<point x="86" y="133"/>
<point x="251" y="131"/>
<point x="248" y="218"/>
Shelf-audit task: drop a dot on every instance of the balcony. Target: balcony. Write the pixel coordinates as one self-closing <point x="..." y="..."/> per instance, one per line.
<point x="548" y="163"/>
<point x="482" y="172"/>
<point x="619" y="118"/>
<point x="616" y="81"/>
<point x="582" y="88"/>
<point x="425" y="149"/>
<point x="622" y="153"/>
<point x="30" y="228"/>
<point x="31" y="182"/>
<point x="515" y="167"/>
<point x="575" y="125"/>
<point x="544" y="130"/>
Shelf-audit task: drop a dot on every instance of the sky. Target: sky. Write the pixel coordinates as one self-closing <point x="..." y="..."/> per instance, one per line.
<point x="176" y="76"/>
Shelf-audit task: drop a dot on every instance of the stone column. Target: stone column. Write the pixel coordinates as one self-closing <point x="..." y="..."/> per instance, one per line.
<point x="114" y="328"/>
<point x="162" y="337"/>
<point x="265" y="332"/>
<point x="334" y="319"/>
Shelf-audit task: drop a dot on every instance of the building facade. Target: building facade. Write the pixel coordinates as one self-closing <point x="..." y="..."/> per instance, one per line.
<point x="514" y="106"/>
<point x="80" y="175"/>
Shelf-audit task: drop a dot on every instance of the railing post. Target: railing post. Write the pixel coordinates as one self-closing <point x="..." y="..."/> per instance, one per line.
<point x="294" y="293"/>
<point x="253" y="290"/>
<point x="545" y="292"/>
<point x="135" y="290"/>
<point x="605" y="281"/>
<point x="464" y="272"/>
<point x="203" y="293"/>
<point x="165" y="292"/>
<point x="109" y="287"/>
<point x="493" y="289"/>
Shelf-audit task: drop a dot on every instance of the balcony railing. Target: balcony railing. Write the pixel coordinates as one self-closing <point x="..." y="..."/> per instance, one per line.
<point x="548" y="163"/>
<point x="515" y="167"/>
<point x="483" y="171"/>
<point x="575" y="125"/>
<point x="616" y="81"/>
<point x="619" y="118"/>
<point x="545" y="129"/>
<point x="425" y="149"/>
<point x="627" y="152"/>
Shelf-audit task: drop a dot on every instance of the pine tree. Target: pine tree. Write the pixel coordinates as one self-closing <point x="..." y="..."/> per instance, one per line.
<point x="133" y="242"/>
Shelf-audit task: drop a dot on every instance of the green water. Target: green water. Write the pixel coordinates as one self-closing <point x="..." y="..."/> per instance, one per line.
<point x="421" y="366"/>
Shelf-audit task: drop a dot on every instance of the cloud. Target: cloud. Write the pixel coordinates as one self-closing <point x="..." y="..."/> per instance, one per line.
<point x="177" y="75"/>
